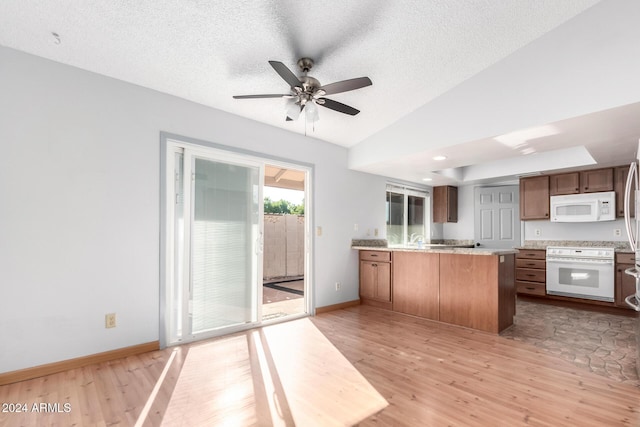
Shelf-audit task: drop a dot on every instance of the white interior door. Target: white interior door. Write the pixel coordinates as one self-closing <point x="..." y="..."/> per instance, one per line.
<point x="497" y="216"/>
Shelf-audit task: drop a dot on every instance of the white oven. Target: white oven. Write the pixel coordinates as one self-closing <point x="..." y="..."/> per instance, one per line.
<point x="581" y="272"/>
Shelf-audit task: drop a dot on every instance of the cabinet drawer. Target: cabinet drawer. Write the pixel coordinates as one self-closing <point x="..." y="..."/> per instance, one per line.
<point x="625" y="258"/>
<point x="532" y="254"/>
<point x="382" y="256"/>
<point x="531" y="288"/>
<point x="531" y="263"/>
<point x="531" y="275"/>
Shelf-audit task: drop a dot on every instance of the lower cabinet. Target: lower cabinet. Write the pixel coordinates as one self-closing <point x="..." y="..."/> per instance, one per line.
<point x="531" y="272"/>
<point x="375" y="278"/>
<point x="625" y="284"/>
<point x="416" y="284"/>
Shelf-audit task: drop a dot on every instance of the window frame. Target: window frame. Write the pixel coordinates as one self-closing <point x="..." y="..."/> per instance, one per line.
<point x="407" y="192"/>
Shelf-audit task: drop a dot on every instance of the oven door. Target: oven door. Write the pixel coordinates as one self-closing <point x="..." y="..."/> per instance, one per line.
<point x="579" y="278"/>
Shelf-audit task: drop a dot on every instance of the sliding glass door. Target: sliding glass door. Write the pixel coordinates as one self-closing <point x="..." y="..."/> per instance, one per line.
<point x="217" y="244"/>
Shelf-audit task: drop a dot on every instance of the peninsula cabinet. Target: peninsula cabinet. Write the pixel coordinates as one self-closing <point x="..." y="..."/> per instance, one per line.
<point x="416" y="284"/>
<point x="596" y="180"/>
<point x="445" y="204"/>
<point x="625" y="284"/>
<point x="534" y="197"/>
<point x="375" y="278"/>
<point x="486" y="302"/>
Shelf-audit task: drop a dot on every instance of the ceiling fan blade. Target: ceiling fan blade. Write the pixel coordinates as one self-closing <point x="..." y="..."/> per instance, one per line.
<point x="285" y="73"/>
<point x="338" y="106"/>
<point x="261" y="96"/>
<point x="346" y="85"/>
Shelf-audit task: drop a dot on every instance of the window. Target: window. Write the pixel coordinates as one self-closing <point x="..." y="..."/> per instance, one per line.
<point x="407" y="215"/>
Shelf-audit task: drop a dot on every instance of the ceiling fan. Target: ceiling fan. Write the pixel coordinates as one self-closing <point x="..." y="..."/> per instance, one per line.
<point x="307" y="92"/>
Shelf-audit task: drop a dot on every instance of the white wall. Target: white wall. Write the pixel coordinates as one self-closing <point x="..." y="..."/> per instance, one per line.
<point x="79" y="210"/>
<point x="463" y="229"/>
<point x="589" y="231"/>
<point x="588" y="64"/>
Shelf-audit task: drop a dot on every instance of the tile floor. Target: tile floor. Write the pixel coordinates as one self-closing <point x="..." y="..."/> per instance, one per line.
<point x="602" y="343"/>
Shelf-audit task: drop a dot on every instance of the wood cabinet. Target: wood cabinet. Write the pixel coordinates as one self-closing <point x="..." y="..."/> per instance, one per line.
<point x="531" y="272"/>
<point x="625" y="284"/>
<point x="596" y="180"/>
<point x="564" y="183"/>
<point x="445" y="204"/>
<point x="619" y="183"/>
<point x="534" y="197"/>
<point x="416" y="284"/>
<point x="375" y="278"/>
<point x="488" y="302"/>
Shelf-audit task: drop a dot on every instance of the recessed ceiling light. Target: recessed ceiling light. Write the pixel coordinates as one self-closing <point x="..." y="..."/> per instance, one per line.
<point x="440" y="158"/>
<point x="427" y="179"/>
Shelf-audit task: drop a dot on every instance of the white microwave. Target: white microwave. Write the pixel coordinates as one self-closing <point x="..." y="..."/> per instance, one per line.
<point x="588" y="207"/>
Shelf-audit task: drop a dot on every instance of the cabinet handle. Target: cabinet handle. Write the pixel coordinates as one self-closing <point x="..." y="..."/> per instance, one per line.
<point x="373" y="255"/>
<point x="374" y="265"/>
<point x="546" y="214"/>
<point x="531" y="289"/>
<point x="577" y="189"/>
<point x="531" y="275"/>
<point x="530" y="263"/>
<point x="586" y="188"/>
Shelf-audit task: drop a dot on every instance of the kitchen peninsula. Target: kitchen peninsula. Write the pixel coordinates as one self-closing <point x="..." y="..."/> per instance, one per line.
<point x="471" y="287"/>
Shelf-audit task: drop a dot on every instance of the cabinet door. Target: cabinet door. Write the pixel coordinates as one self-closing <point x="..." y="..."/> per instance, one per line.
<point x="534" y="197"/>
<point x="620" y="182"/>
<point x="565" y="183"/>
<point x="416" y="284"/>
<point x="383" y="285"/>
<point x="597" y="180"/>
<point x="368" y="275"/>
<point x="445" y="204"/>
<point x="625" y="285"/>
<point x="452" y="204"/>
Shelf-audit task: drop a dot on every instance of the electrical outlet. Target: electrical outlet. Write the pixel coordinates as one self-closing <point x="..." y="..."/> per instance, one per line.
<point x="537" y="232"/>
<point x="375" y="232"/>
<point x="338" y="286"/>
<point x="355" y="227"/>
<point x="617" y="232"/>
<point x="110" y="320"/>
<point x="319" y="231"/>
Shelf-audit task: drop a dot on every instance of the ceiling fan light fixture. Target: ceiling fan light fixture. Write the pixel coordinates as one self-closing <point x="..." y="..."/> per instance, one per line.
<point x="311" y="112"/>
<point x="292" y="109"/>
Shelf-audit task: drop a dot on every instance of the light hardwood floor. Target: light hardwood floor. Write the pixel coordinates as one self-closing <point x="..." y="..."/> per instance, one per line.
<point x="430" y="373"/>
<point x="441" y="375"/>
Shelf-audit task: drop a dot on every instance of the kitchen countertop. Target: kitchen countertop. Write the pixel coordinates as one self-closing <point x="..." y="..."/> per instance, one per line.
<point x="619" y="246"/>
<point x="442" y="249"/>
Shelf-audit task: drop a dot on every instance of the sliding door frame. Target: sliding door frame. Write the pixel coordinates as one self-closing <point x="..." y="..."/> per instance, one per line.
<point x="168" y="146"/>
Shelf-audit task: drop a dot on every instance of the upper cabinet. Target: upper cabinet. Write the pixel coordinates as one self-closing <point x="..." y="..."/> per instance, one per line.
<point x="445" y="204"/>
<point x="534" y="197"/>
<point x="620" y="182"/>
<point x="564" y="183"/>
<point x="596" y="180"/>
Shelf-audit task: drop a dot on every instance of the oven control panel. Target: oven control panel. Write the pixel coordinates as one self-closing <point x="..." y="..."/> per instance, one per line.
<point x="573" y="252"/>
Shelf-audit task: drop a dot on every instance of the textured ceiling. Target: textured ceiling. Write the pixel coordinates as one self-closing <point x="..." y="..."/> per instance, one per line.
<point x="207" y="51"/>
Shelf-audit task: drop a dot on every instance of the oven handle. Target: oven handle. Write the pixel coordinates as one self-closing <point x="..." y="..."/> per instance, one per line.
<point x="630" y="298"/>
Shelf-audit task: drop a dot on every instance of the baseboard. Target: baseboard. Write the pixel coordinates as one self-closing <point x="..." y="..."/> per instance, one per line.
<point x="65" y="365"/>
<point x="327" y="308"/>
